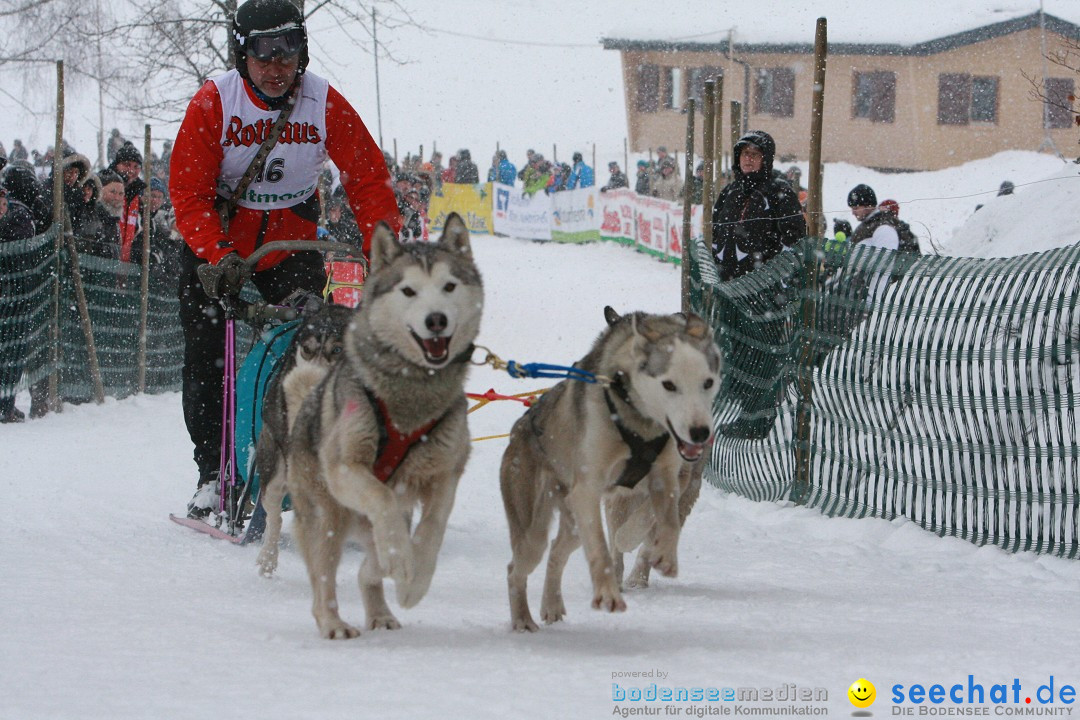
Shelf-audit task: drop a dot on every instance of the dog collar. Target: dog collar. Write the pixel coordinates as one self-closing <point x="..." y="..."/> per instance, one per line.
<point x="643" y="453"/>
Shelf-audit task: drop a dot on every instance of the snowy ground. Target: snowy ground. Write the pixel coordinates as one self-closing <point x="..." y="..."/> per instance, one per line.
<point x="108" y="610"/>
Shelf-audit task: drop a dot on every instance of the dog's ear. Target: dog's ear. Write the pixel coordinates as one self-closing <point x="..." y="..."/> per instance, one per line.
<point x="645" y="329"/>
<point x="312" y="305"/>
<point x="611" y="316"/>
<point x="455" y="235"/>
<point x="384" y="246"/>
<point x="696" y="327"/>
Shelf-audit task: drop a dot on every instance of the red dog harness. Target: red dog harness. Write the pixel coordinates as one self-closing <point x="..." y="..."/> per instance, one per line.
<point x="394" y="445"/>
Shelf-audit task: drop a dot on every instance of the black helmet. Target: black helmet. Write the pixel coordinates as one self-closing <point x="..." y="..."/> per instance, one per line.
<point x="862" y="196"/>
<point x="269" y="28"/>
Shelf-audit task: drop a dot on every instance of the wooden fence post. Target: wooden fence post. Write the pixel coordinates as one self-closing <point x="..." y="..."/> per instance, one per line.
<point x="687" y="225"/>
<point x="800" y="488"/>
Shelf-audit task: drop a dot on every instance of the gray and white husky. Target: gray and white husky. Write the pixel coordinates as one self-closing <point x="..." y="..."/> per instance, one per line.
<point x="385" y="430"/>
<point x="315" y="347"/>
<point x="583" y="443"/>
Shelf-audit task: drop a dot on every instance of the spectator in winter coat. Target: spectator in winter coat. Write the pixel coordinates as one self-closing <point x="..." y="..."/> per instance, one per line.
<point x="530" y="161"/>
<point x="18" y="152"/>
<point x="22" y="186"/>
<point x="560" y="176"/>
<point x="696" y="186"/>
<point x="581" y="175"/>
<point x="537" y="176"/>
<point x="449" y="175"/>
<point x="127" y="163"/>
<point x="755" y="217"/>
<point x="75" y="169"/>
<point x="880" y="226"/>
<point x="617" y="178"/>
<point x="466" y="173"/>
<point x="643" y="182"/>
<point x="502" y="170"/>
<point x="116" y="141"/>
<point x="16" y="224"/>
<point x="97" y="229"/>
<point x="667" y="185"/>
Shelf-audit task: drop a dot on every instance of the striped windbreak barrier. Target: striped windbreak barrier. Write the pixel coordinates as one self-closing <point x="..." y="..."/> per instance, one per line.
<point x="943" y="390"/>
<point x="29" y="302"/>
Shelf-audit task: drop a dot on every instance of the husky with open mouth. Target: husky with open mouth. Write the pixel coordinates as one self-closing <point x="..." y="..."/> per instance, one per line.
<point x="583" y="443"/>
<point x="385" y="430"/>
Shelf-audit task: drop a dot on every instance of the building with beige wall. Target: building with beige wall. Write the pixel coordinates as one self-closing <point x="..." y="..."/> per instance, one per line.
<point x="916" y="107"/>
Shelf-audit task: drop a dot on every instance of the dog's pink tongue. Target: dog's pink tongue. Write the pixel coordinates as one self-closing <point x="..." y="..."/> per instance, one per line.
<point x="437" y="347"/>
<point x="690" y="451"/>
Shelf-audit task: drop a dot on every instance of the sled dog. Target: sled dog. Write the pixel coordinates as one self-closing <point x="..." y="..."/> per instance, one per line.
<point x="385" y="430"/>
<point x="316" y="345"/>
<point x="581" y="442"/>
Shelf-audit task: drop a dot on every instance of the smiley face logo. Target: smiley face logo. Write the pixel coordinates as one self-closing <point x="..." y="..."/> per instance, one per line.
<point x="862" y="693"/>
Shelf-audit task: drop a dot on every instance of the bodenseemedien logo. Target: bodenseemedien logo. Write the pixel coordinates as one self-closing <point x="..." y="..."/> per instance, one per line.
<point x="862" y="693"/>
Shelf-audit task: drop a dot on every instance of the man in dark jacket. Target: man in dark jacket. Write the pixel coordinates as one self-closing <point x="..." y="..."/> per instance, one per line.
<point x="617" y="179"/>
<point x="755" y="217"/>
<point x="467" y="173"/>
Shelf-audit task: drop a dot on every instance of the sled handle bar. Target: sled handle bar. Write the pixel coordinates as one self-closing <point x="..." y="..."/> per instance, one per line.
<point x="299" y="245"/>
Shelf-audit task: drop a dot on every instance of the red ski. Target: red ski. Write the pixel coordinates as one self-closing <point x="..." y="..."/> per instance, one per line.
<point x="206" y="528"/>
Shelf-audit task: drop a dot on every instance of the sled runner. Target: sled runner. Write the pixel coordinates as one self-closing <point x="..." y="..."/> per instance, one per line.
<point x="239" y="517"/>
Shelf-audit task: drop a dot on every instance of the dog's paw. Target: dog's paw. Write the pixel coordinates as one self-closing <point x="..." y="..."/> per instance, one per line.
<point x="383" y="622"/>
<point x="525" y="624"/>
<point x="553" y="611"/>
<point x="267" y="561"/>
<point x="664" y="557"/>
<point x="609" y="600"/>
<point x="338" y="630"/>
<point x="638" y="579"/>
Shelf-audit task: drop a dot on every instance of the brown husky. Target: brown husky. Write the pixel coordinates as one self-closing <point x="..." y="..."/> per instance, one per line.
<point x="631" y="433"/>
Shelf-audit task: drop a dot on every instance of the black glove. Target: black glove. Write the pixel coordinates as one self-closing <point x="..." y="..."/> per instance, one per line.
<point x="227" y="277"/>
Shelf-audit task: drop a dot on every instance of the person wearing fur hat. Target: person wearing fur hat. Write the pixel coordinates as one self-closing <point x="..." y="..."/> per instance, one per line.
<point x="755" y="217"/>
<point x="75" y="169"/>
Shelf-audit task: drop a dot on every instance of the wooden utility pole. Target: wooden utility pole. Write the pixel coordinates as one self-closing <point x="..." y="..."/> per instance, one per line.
<point x="687" y="223"/>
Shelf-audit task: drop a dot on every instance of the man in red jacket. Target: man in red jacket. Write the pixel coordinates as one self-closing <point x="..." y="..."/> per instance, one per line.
<point x="225" y="125"/>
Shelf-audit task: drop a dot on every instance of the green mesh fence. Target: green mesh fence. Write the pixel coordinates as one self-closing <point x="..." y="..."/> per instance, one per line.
<point x="943" y="390"/>
<point x="27" y="270"/>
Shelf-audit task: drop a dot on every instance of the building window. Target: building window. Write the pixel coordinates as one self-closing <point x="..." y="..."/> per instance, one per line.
<point x="648" y="88"/>
<point x="1057" y="106"/>
<point x="774" y="92"/>
<point x="697" y="77"/>
<point x="874" y="96"/>
<point x="673" y="88"/>
<point x="964" y="99"/>
<point x="984" y="99"/>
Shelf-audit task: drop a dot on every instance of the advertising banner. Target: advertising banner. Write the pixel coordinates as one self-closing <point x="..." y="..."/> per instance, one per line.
<point x="471" y="202"/>
<point x="519" y="215"/>
<point x="617" y="216"/>
<point x="574" y="216"/>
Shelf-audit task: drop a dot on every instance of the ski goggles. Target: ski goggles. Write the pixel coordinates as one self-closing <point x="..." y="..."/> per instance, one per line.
<point x="268" y="47"/>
